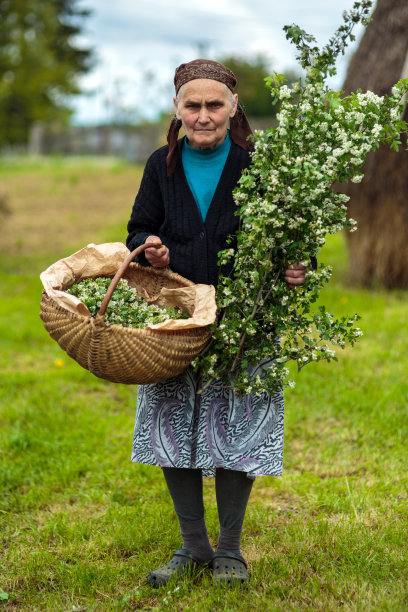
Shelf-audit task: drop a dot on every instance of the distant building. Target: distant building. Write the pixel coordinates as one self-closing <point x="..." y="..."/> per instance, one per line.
<point x="134" y="143"/>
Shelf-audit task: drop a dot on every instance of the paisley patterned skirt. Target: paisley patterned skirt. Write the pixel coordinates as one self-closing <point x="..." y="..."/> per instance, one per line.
<point x="175" y="427"/>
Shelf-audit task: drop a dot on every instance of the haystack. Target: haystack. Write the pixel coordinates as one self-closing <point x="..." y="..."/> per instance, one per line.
<point x="379" y="249"/>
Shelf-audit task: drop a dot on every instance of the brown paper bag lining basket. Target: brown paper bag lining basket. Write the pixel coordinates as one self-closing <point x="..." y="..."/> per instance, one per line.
<point x="124" y="354"/>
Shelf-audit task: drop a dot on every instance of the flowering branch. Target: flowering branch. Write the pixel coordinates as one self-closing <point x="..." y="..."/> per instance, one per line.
<point x="287" y="206"/>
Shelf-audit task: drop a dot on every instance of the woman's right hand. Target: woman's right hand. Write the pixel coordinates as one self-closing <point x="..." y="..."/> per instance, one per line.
<point x="158" y="258"/>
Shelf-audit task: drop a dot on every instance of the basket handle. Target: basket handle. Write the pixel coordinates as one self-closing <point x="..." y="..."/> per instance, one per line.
<point x="124" y="266"/>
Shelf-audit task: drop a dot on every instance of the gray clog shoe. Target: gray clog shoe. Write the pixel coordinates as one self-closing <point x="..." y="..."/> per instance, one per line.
<point x="229" y="569"/>
<point x="183" y="562"/>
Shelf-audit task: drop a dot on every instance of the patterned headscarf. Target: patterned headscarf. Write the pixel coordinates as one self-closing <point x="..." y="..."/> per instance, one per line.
<point x="206" y="69"/>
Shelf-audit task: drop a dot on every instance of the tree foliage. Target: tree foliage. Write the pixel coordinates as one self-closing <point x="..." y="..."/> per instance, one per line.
<point x="287" y="205"/>
<point x="253" y="95"/>
<point x="40" y="61"/>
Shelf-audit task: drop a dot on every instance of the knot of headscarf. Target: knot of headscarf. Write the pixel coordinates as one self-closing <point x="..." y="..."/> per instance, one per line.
<point x="206" y="69"/>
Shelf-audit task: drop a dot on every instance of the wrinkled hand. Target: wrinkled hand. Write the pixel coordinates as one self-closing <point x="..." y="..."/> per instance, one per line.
<point x="158" y="258"/>
<point x="295" y="275"/>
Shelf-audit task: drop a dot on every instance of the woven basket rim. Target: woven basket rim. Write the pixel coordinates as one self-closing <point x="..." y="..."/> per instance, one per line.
<point x="123" y="329"/>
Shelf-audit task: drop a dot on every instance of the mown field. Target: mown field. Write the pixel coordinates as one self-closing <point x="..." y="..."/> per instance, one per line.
<point x="80" y="526"/>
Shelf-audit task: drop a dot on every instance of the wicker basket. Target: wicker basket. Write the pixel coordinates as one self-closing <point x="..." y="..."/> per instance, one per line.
<point x="123" y="354"/>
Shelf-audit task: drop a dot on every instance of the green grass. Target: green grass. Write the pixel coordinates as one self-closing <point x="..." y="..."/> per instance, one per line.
<point x="80" y="526"/>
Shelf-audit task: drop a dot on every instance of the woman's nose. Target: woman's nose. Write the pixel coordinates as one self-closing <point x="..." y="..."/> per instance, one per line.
<point x="203" y="115"/>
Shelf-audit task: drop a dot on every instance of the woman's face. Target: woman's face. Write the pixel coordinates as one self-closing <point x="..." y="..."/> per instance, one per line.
<point x="205" y="108"/>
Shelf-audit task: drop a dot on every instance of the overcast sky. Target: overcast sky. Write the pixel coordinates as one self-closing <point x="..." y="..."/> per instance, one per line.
<point x="138" y="44"/>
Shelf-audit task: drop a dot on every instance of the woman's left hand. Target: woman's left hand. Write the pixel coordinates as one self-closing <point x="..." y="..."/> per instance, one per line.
<point x="295" y="275"/>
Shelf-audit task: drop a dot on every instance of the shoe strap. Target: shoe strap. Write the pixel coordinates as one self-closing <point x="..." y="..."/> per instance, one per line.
<point x="185" y="553"/>
<point x="225" y="554"/>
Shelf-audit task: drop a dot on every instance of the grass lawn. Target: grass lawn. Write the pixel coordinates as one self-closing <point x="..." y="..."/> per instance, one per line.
<point x="80" y="526"/>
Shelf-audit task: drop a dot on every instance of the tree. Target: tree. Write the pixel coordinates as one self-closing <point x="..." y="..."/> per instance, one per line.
<point x="379" y="249"/>
<point x="254" y="96"/>
<point x="39" y="63"/>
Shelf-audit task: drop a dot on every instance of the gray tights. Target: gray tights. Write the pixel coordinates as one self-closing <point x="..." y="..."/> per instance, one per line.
<point x="232" y="490"/>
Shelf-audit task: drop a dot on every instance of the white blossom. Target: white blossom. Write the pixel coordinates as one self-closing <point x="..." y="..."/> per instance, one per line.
<point x="357" y="178"/>
<point x="285" y="92"/>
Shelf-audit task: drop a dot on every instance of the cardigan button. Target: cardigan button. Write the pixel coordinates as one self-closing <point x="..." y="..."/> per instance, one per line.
<point x="202" y="235"/>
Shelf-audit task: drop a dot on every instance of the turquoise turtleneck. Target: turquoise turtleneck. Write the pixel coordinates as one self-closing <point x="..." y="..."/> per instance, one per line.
<point x="203" y="168"/>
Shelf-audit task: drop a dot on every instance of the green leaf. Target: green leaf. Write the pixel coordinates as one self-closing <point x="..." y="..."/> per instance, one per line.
<point x="3" y="595"/>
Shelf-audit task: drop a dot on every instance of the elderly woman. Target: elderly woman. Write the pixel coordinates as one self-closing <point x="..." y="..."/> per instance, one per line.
<point x="185" y="200"/>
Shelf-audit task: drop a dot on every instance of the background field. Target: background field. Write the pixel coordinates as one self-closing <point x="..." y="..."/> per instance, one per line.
<point x="80" y="526"/>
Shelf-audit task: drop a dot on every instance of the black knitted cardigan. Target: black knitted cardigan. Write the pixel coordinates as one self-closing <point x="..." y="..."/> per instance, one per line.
<point x="165" y="207"/>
